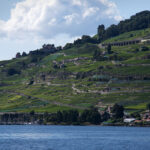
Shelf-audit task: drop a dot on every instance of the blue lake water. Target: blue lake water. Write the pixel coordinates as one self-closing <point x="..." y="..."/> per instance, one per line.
<point x="74" y="138"/>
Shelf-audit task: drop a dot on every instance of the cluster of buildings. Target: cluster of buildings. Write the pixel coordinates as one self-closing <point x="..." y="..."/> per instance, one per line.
<point x="143" y="118"/>
<point x="137" y="119"/>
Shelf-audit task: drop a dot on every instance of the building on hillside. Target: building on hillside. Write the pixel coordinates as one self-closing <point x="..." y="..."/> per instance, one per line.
<point x="123" y="43"/>
<point x="145" y="116"/>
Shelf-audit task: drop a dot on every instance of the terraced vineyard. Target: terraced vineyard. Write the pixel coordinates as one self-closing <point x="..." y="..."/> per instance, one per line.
<point x="73" y="78"/>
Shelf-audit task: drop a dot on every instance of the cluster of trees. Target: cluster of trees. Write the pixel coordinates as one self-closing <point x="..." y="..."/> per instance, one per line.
<point x="34" y="57"/>
<point x="148" y="106"/>
<point x="20" y="117"/>
<point x="15" y="68"/>
<point x="39" y="54"/>
<point x="100" y="56"/>
<point x="84" y="39"/>
<point x="91" y="116"/>
<point x="45" y="50"/>
<point x="74" y="117"/>
<point x="13" y="71"/>
<point x="109" y="55"/>
<point x="82" y="75"/>
<point x="144" y="48"/>
<point x="137" y="22"/>
<point x="18" y="55"/>
<point x="118" y="111"/>
<point x="68" y="117"/>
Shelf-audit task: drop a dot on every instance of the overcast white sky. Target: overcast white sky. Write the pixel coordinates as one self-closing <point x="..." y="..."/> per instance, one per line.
<point x="27" y="24"/>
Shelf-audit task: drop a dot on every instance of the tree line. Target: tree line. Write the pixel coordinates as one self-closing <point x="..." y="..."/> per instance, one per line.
<point x="88" y="116"/>
<point x="137" y="22"/>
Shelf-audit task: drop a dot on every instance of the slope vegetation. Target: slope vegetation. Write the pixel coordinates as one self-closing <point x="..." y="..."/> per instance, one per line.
<point x="78" y="78"/>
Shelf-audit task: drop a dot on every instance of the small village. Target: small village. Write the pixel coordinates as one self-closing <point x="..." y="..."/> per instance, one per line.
<point x="133" y="119"/>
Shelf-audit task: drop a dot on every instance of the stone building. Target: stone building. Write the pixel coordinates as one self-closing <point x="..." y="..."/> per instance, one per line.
<point x="123" y="43"/>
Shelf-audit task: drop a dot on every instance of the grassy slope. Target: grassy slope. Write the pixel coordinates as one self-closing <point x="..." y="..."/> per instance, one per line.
<point x="130" y="35"/>
<point x="62" y="94"/>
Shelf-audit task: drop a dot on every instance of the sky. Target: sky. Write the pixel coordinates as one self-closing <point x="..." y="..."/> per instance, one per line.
<point x="28" y="24"/>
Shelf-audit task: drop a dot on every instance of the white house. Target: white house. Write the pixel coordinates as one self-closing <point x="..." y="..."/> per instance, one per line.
<point x="129" y="120"/>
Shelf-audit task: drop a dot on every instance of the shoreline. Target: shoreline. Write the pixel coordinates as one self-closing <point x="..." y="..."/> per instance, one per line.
<point x="53" y="124"/>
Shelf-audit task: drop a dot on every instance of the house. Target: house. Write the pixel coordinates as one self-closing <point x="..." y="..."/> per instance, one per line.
<point x="129" y="120"/>
<point x="146" y="116"/>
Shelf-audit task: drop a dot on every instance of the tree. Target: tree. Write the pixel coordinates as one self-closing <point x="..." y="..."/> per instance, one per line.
<point x="148" y="106"/>
<point x="68" y="46"/>
<point x="78" y="42"/>
<point x="109" y="49"/>
<point x="101" y="32"/>
<point x="46" y="116"/>
<point x="32" y="113"/>
<point x="118" y="111"/>
<point x="70" y="116"/>
<point x="59" y="48"/>
<point x="144" y="48"/>
<point x="12" y="71"/>
<point x="92" y="115"/>
<point x="24" y="54"/>
<point x="84" y="115"/>
<point x="112" y="31"/>
<point x="105" y="116"/>
<point x="88" y="39"/>
<point x="34" y="59"/>
<point x="97" y="55"/>
<point x="59" y="117"/>
<point x="18" y="55"/>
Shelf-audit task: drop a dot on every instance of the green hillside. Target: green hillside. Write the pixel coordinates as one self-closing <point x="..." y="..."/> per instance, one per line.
<point x="78" y="76"/>
<point x="81" y="82"/>
<point x="130" y="36"/>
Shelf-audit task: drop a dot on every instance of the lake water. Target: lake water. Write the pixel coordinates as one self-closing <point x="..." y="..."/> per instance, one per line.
<point x="73" y="138"/>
